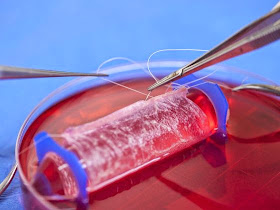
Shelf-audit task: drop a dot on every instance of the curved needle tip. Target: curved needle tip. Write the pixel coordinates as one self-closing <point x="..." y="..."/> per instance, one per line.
<point x="272" y="89"/>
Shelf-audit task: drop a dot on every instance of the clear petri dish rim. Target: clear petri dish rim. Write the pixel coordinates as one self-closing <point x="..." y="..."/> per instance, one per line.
<point x="118" y="73"/>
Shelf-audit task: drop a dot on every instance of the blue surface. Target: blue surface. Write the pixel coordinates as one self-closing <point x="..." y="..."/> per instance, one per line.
<point x="79" y="35"/>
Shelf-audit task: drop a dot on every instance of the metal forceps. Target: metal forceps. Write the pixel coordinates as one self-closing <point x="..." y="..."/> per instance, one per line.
<point x="255" y="35"/>
<point x="8" y="72"/>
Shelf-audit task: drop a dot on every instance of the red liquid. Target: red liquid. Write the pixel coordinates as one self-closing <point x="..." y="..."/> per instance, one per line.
<point x="245" y="172"/>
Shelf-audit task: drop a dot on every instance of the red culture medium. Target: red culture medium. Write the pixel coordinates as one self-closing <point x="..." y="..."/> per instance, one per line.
<point x="247" y="177"/>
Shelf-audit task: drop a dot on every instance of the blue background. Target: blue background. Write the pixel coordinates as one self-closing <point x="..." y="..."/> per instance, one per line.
<point x="79" y="35"/>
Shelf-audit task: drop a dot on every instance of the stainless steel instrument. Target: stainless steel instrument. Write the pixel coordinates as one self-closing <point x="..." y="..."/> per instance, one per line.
<point x="261" y="32"/>
<point x="9" y="72"/>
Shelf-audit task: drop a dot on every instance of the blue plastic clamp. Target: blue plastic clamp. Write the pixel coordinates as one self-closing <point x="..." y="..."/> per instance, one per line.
<point x="45" y="144"/>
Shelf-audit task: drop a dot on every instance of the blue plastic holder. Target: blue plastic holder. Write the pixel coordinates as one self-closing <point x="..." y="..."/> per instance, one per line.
<point x="45" y="144"/>
<point x="218" y="100"/>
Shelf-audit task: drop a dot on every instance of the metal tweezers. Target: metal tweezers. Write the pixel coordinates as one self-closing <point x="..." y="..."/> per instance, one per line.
<point x="9" y="72"/>
<point x="255" y="35"/>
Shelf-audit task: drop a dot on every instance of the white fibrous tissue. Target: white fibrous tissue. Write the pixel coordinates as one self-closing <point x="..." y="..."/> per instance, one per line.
<point x="133" y="137"/>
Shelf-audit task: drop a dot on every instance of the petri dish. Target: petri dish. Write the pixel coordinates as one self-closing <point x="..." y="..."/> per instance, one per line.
<point x="241" y="173"/>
